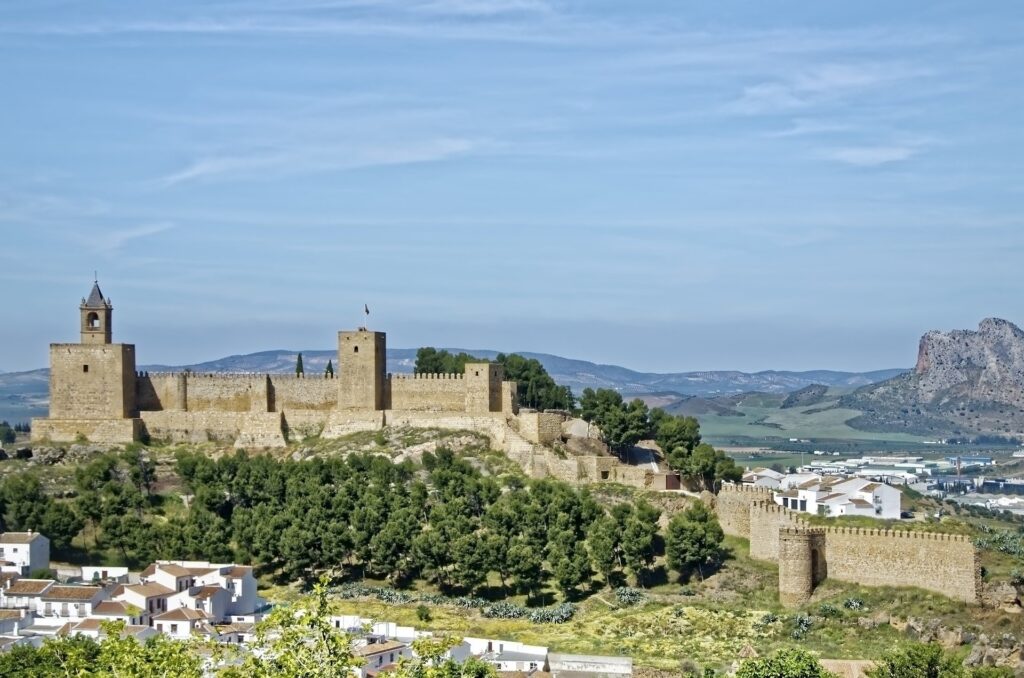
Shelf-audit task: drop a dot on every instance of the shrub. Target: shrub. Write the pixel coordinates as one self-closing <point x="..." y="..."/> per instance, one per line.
<point x="803" y="623"/>
<point x="829" y="611"/>
<point x="629" y="596"/>
<point x="854" y="604"/>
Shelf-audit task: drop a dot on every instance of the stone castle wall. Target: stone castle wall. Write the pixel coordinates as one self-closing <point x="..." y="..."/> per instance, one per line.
<point x="428" y="392"/>
<point x="943" y="563"/>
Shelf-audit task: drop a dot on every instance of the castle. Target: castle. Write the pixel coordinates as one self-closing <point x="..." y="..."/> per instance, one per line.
<point x="97" y="394"/>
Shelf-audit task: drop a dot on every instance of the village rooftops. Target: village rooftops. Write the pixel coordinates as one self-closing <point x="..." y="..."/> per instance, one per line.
<point x="18" y="537"/>
<point x="76" y="593"/>
<point x="10" y="614"/>
<point x="378" y="648"/>
<point x="151" y="590"/>
<point x="206" y="592"/>
<point x="181" y="614"/>
<point x="28" y="587"/>
<point x="174" y="570"/>
<point x="112" y="608"/>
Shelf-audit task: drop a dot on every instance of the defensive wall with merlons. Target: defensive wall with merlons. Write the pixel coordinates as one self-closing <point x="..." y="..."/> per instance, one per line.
<point x="806" y="554"/>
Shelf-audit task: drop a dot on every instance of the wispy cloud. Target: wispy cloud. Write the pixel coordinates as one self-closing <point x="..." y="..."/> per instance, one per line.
<point x="314" y="159"/>
<point x="806" y="127"/>
<point x="112" y="241"/>
<point x="872" y="156"/>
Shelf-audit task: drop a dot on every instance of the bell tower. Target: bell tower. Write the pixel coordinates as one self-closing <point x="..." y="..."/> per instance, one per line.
<point x="96" y="315"/>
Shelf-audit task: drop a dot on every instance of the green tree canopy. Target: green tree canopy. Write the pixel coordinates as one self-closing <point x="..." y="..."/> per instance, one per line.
<point x="622" y="424"/>
<point x="786" y="663"/>
<point x="929" y="660"/>
<point x="694" y="539"/>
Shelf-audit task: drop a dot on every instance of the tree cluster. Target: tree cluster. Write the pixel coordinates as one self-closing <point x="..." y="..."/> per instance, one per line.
<point x="8" y="433"/>
<point x="624" y="424"/>
<point x="24" y="505"/>
<point x="535" y="387"/>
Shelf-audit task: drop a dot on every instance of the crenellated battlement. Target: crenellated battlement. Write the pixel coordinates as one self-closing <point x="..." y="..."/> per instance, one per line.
<point x="746" y="489"/>
<point x="427" y="377"/>
<point x="899" y="534"/>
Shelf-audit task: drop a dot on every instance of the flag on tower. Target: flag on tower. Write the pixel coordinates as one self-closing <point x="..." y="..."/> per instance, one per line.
<point x="366" y="309"/>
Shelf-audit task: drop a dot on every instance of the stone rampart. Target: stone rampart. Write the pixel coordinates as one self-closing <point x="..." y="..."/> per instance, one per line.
<point x="193" y="427"/>
<point x="944" y="563"/>
<point x="427" y="392"/>
<point x="104" y="431"/>
<point x="290" y="393"/>
<point x="227" y="393"/>
<point x="540" y="427"/>
<point x="732" y="505"/>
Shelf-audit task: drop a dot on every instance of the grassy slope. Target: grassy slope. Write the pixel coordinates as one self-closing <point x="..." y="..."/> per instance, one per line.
<point x="763" y="418"/>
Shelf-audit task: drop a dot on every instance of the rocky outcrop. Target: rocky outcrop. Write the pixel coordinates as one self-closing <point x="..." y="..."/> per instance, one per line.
<point x="965" y="382"/>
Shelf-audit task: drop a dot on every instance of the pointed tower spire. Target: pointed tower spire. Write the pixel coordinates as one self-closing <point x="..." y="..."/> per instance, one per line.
<point x="96" y="313"/>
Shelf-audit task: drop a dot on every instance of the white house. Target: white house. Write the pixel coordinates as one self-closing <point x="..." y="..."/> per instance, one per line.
<point x="24" y="552"/>
<point x="509" y="655"/>
<point x="574" y="665"/>
<point x="833" y="496"/>
<point x="193" y="576"/>
<point x="180" y="623"/>
<point x="150" y="598"/>
<point x="379" y="654"/>
<point x="24" y="594"/>
<point x="61" y="604"/>
<point x="763" y="477"/>
<point x="103" y="573"/>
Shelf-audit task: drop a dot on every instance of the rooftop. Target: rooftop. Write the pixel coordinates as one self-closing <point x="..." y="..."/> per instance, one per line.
<point x="377" y="648"/>
<point x="72" y="593"/>
<point x="28" y="587"/>
<point x="181" y="614"/>
<point x="19" y="537"/>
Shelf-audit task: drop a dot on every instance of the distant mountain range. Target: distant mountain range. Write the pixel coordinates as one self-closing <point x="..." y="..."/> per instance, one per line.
<point x="24" y="394"/>
<point x="576" y="374"/>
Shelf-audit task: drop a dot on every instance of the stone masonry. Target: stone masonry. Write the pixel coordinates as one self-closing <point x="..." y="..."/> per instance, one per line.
<point x="944" y="563"/>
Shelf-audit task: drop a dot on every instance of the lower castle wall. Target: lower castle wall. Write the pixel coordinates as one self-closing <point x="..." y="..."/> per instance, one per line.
<point x="193" y="427"/>
<point x="943" y="563"/>
<point x="540" y="427"/>
<point x="105" y="431"/>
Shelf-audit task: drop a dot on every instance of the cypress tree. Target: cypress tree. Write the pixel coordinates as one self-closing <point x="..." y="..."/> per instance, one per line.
<point x="298" y="367"/>
<point x="329" y="372"/>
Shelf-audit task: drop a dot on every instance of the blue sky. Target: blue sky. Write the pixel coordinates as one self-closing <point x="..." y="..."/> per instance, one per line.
<point x="663" y="185"/>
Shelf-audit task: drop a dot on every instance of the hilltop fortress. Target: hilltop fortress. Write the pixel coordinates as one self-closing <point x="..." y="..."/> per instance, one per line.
<point x="97" y="394"/>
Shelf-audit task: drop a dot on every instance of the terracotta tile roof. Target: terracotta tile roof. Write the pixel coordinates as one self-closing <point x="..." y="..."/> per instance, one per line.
<point x="111" y="608"/>
<point x="149" y="571"/>
<point x="239" y="571"/>
<point x="6" y="577"/>
<point x="72" y="593"/>
<point x="7" y="641"/>
<point x="173" y="569"/>
<point x="860" y="503"/>
<point x="377" y="648"/>
<point x="28" y="587"/>
<point x="180" y="614"/>
<point x="207" y="592"/>
<point x="200" y="571"/>
<point x="90" y="624"/>
<point x="66" y="629"/>
<point x="10" y="614"/>
<point x="134" y="630"/>
<point x="18" y="537"/>
<point x="870" y="487"/>
<point x="151" y="590"/>
<point x="833" y="497"/>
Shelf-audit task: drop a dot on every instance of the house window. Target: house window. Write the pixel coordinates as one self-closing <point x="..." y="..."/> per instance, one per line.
<point x="380" y="660"/>
<point x="174" y="628"/>
<point x="355" y="349"/>
<point x="85" y="368"/>
<point x="803" y="504"/>
<point x="604" y="475"/>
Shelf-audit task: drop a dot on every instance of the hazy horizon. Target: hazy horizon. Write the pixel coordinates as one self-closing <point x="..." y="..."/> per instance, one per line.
<point x="667" y="188"/>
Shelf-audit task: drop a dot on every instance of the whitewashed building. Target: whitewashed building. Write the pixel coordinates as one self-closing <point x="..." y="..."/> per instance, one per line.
<point x="24" y="552"/>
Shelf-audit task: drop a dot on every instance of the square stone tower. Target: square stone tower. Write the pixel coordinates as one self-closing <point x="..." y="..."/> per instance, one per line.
<point x="483" y="387"/>
<point x="92" y="383"/>
<point x="362" y="363"/>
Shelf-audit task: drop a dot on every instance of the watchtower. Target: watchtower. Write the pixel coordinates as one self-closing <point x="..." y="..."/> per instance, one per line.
<point x="483" y="387"/>
<point x="802" y="563"/>
<point x="96" y="313"/>
<point x="362" y="363"/>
